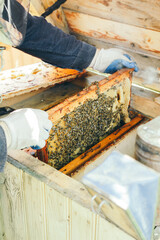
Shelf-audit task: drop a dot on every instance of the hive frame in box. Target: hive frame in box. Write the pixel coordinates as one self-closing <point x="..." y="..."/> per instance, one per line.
<point x="35" y="192"/>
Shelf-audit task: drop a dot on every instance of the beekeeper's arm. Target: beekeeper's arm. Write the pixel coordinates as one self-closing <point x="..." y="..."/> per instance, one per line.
<point x="35" y="36"/>
<point x="53" y="46"/>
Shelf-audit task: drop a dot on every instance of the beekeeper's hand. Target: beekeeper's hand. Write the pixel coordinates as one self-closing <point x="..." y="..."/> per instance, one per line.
<point x="111" y="60"/>
<point x="26" y="127"/>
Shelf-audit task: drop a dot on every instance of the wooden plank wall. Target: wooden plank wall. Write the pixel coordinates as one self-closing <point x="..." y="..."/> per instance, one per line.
<point x="32" y="210"/>
<point x="131" y="24"/>
<point x="15" y="58"/>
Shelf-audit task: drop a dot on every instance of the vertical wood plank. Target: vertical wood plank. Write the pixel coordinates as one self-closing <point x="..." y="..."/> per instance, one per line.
<point x="2" y="232"/>
<point x="57" y="15"/>
<point x="12" y="205"/>
<point x="37" y="8"/>
<point x="35" y="207"/>
<point x="28" y="204"/>
<point x="106" y="230"/>
<point x="13" y="58"/>
<point x="83" y="223"/>
<point x="114" y="32"/>
<point x="57" y="217"/>
<point x="140" y="13"/>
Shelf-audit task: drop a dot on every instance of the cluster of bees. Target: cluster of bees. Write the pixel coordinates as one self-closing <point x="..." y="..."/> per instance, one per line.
<point x="82" y="128"/>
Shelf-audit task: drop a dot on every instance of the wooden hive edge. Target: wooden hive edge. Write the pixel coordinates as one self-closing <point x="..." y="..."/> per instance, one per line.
<point x="73" y="102"/>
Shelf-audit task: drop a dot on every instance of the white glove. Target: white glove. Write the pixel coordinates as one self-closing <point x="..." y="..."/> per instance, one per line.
<point x="111" y="60"/>
<point x="26" y="127"/>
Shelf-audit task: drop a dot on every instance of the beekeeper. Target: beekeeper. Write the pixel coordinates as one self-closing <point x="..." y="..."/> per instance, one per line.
<point x="37" y="37"/>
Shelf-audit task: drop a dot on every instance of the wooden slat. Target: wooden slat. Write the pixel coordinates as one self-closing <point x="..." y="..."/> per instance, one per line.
<point x="13" y="58"/>
<point x="145" y="105"/>
<point x="65" y="219"/>
<point x="116" y="214"/>
<point x="153" y="86"/>
<point x="12" y="205"/>
<point x="50" y="176"/>
<point x="114" y="32"/>
<point x="35" y="208"/>
<point x="2" y="231"/>
<point x="144" y="13"/>
<point x="83" y="223"/>
<point x="57" y="16"/>
<point x="57" y="215"/>
<point x="33" y="77"/>
<point x="79" y="161"/>
<point x="50" y="97"/>
<point x="106" y="231"/>
<point x="37" y="8"/>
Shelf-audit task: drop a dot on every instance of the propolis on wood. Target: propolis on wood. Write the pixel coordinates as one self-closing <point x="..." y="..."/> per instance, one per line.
<point x="86" y="118"/>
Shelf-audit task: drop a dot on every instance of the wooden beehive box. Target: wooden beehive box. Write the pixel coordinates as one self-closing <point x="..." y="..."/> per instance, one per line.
<point x="37" y="202"/>
<point x="37" y="196"/>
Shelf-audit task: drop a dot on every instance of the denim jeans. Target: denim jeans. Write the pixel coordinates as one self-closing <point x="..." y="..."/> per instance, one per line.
<point x="53" y="46"/>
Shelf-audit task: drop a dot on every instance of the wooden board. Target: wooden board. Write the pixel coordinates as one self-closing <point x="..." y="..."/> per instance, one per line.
<point x="57" y="16"/>
<point x="133" y="25"/>
<point x="144" y="14"/>
<point x="29" y="78"/>
<point x="116" y="214"/>
<point x="37" y="8"/>
<point x="144" y="101"/>
<point x="115" y="32"/>
<point x="50" y="97"/>
<point x="13" y="58"/>
<point x="41" y="202"/>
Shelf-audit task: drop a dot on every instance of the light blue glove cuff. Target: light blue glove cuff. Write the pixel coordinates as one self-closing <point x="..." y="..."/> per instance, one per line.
<point x="120" y="63"/>
<point x="36" y="147"/>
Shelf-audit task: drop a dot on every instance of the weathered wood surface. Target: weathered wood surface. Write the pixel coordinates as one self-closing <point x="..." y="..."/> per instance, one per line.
<point x="50" y="97"/>
<point x="144" y="13"/>
<point x="144" y="101"/>
<point x="57" y="18"/>
<point x="13" y="206"/>
<point x="37" y="8"/>
<point x="13" y="58"/>
<point x="32" y="77"/>
<point x="40" y="203"/>
<point x="153" y="86"/>
<point x="111" y="31"/>
<point x="131" y="24"/>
